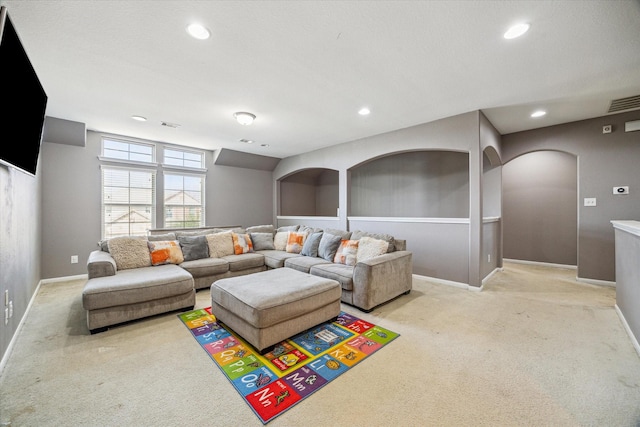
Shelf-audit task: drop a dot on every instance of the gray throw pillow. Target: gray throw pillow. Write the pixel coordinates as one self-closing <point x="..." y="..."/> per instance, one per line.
<point x="328" y="246"/>
<point x="262" y="241"/>
<point x="311" y="244"/>
<point x="194" y="247"/>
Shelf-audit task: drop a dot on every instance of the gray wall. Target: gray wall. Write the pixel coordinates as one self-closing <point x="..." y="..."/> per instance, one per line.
<point x="72" y="196"/>
<point x="414" y="184"/>
<point x="449" y="250"/>
<point x="604" y="161"/>
<point x="20" y="237"/>
<point x="540" y="214"/>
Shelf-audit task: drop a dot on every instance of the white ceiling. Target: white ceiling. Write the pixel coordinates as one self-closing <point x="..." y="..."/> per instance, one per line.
<point x="305" y="68"/>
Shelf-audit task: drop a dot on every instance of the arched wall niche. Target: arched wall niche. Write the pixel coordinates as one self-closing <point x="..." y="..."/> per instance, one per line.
<point x="309" y="192"/>
<point x="418" y="183"/>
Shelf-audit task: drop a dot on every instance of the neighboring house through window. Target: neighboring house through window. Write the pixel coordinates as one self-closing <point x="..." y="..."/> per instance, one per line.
<point x="184" y="179"/>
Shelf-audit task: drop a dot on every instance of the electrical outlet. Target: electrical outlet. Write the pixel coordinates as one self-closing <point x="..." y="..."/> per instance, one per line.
<point x="10" y="309"/>
<point x="74" y="259"/>
<point x="607" y="129"/>
<point x="6" y="316"/>
<point x="589" y="201"/>
<point x="489" y="258"/>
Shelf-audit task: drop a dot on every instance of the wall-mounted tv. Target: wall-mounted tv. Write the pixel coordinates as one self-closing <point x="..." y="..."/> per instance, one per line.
<point x="23" y="102"/>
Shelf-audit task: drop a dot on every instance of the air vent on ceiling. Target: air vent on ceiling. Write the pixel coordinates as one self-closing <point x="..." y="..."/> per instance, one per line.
<point x="170" y="125"/>
<point x="622" y="104"/>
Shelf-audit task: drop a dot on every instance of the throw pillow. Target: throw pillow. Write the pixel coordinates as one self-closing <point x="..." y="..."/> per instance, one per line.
<point x="370" y="247"/>
<point x="241" y="243"/>
<point x="347" y="252"/>
<point x="358" y="234"/>
<point x="129" y="252"/>
<point x="280" y="240"/>
<point x="328" y="246"/>
<point x="220" y="244"/>
<point x="344" y="235"/>
<point x="165" y="252"/>
<point x="194" y="247"/>
<point x="262" y="241"/>
<point x="311" y="243"/>
<point x="295" y="241"/>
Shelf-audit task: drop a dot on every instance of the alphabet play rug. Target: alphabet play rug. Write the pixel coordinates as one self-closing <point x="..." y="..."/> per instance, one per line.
<point x="295" y="368"/>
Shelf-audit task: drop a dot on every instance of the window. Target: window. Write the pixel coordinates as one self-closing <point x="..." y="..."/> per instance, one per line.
<point x="128" y="201"/>
<point x="183" y="200"/>
<point x="113" y="149"/>
<point x="183" y="188"/>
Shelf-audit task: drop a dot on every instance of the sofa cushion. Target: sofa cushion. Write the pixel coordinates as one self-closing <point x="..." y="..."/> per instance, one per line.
<point x="344" y="235"/>
<point x="295" y="241"/>
<point x="340" y="272"/>
<point x="161" y="237"/>
<point x="206" y="266"/>
<point x="165" y="252"/>
<point x="220" y="244"/>
<point x="311" y="243"/>
<point x="262" y="241"/>
<point x="346" y="253"/>
<point x="242" y="244"/>
<point x="369" y="248"/>
<point x="194" y="247"/>
<point x="328" y="246"/>
<point x="303" y="263"/>
<point x="244" y="261"/>
<point x="261" y="229"/>
<point x="136" y="285"/>
<point x="358" y="234"/>
<point x="129" y="252"/>
<point x="275" y="258"/>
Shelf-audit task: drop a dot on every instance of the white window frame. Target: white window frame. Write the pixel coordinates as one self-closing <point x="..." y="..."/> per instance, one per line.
<point x="179" y="168"/>
<point x="131" y="228"/>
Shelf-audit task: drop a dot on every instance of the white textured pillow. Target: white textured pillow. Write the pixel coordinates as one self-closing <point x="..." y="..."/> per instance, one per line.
<point x="280" y="240"/>
<point x="220" y="244"/>
<point x="130" y="252"/>
<point x="369" y="248"/>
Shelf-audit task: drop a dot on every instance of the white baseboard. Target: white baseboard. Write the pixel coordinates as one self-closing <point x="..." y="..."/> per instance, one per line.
<point x="545" y="264"/>
<point x="495" y="270"/>
<point x="7" y="353"/>
<point x="597" y="282"/>
<point x="65" y="279"/>
<point x="634" y="340"/>
<point x="448" y="283"/>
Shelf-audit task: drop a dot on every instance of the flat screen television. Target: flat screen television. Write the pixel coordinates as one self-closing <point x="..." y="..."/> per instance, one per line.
<point x="23" y="102"/>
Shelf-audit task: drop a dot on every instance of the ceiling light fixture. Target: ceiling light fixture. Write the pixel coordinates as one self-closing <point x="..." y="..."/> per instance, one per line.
<point x="139" y="118"/>
<point x="538" y="113"/>
<point x="199" y="32"/>
<point x="244" y="118"/>
<point x="516" y="31"/>
<point x="246" y="141"/>
<point x="364" y="111"/>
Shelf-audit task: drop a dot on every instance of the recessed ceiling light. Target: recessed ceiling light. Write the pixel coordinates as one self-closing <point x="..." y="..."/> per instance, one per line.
<point x="364" y="111"/>
<point x="538" y="113"/>
<point x="264" y="145"/>
<point x="244" y="118"/>
<point x="139" y="118"/>
<point x="198" y="31"/>
<point x="516" y="31"/>
<point x="246" y="141"/>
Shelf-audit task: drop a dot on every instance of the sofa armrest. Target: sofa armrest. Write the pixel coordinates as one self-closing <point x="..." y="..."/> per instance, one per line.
<point x="382" y="278"/>
<point x="101" y="264"/>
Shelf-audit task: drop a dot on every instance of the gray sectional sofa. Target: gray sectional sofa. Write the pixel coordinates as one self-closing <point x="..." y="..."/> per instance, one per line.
<point x="135" y="277"/>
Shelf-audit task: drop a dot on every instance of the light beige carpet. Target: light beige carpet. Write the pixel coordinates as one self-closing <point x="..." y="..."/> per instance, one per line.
<point x="534" y="348"/>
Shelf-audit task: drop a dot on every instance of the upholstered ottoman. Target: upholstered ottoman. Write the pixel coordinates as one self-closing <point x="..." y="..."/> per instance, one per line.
<point x="268" y="307"/>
